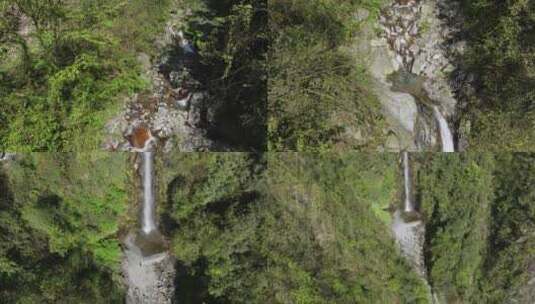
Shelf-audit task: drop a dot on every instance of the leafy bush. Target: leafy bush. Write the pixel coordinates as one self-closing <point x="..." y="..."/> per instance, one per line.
<point x="501" y="54"/>
<point x="317" y="93"/>
<point x="59" y="226"/>
<point x="64" y="78"/>
<point x="480" y="224"/>
<point x="304" y="229"/>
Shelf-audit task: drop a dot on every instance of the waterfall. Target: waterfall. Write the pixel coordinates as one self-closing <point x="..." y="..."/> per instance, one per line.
<point x="445" y="133"/>
<point x="409" y="207"/>
<point x="148" y="268"/>
<point x="408" y="229"/>
<point x="147" y="222"/>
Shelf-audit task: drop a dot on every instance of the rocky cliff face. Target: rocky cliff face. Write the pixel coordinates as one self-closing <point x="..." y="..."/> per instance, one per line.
<point x="411" y="63"/>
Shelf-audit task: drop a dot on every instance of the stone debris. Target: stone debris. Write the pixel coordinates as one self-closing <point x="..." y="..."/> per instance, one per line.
<point x="420" y="35"/>
<point x="174" y="114"/>
<point x="150" y="279"/>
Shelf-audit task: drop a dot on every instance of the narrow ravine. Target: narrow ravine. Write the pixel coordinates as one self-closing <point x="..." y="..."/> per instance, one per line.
<point x="401" y="22"/>
<point x="173" y="111"/>
<point x="147" y="266"/>
<point x="411" y="62"/>
<point x="408" y="229"/>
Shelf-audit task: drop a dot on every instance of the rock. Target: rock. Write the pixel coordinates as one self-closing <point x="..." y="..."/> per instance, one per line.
<point x="149" y="279"/>
<point x="381" y="64"/>
<point x="399" y="107"/>
<point x="393" y="143"/>
<point x="6" y="156"/>
<point x="144" y="60"/>
<point x="139" y="137"/>
<point x="459" y="47"/>
<point x="419" y="65"/>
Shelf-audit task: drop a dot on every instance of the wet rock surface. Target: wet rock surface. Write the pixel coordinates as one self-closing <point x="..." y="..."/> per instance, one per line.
<point x="410" y="236"/>
<point x="149" y="278"/>
<point x="416" y="37"/>
<point x="174" y="113"/>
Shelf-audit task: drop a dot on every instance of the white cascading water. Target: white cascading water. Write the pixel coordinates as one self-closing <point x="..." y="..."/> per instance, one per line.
<point x="409" y="232"/>
<point x="147" y="223"/>
<point x="445" y="133"/>
<point x="408" y="207"/>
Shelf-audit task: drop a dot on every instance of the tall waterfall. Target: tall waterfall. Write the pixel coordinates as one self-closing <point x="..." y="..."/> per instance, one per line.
<point x="408" y="230"/>
<point x="445" y="133"/>
<point x="409" y="206"/>
<point x="147" y="221"/>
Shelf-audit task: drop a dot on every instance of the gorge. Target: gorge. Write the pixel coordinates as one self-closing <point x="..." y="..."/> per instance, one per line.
<point x="409" y="230"/>
<point x="411" y="68"/>
<point x="147" y="266"/>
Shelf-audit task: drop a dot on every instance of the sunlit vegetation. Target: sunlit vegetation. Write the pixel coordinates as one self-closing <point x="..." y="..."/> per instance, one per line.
<point x="67" y="65"/>
<point x="481" y="224"/>
<point x="59" y="226"/>
<point x="318" y="94"/>
<point x="501" y="54"/>
<point x="286" y="228"/>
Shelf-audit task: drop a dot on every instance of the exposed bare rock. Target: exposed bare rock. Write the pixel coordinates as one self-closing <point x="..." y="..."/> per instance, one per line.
<point x="175" y="112"/>
<point x="149" y="279"/>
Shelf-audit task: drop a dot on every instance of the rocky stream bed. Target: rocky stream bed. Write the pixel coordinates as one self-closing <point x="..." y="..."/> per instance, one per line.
<point x="411" y="61"/>
<point x="173" y="114"/>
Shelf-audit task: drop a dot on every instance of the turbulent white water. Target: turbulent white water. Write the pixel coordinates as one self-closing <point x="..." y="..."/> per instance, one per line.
<point x="147" y="221"/>
<point x="408" y="207"/>
<point x="445" y="133"/>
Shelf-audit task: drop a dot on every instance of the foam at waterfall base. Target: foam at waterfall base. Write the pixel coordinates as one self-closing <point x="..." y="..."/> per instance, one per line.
<point x="150" y="244"/>
<point x="409" y="236"/>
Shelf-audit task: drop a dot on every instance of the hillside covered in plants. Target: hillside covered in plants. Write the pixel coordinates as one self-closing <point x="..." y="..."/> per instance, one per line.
<point x="279" y="228"/>
<point x="75" y="72"/>
<point x="417" y="75"/>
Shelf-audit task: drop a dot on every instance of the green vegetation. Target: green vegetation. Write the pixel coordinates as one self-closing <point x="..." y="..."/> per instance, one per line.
<point x="501" y="54"/>
<point x="59" y="219"/>
<point x="271" y="228"/>
<point x="231" y="37"/>
<point x="304" y="229"/>
<point x="66" y="66"/>
<point x="319" y="98"/>
<point x="481" y="224"/>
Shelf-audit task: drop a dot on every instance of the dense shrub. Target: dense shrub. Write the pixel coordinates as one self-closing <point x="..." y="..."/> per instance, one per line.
<point x="480" y="224"/>
<point x="66" y="65"/>
<point x="304" y="229"/>
<point x="59" y="224"/>
<point x="317" y="92"/>
<point x="501" y="53"/>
